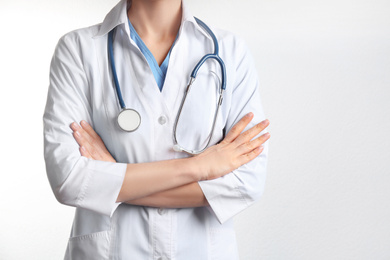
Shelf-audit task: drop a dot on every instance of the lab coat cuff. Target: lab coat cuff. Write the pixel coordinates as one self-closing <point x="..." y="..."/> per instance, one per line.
<point x="102" y="186"/>
<point x="116" y="205"/>
<point x="224" y="197"/>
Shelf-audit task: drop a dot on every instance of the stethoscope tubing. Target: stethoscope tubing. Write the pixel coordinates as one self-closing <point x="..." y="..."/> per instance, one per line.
<point x="113" y="68"/>
<point x="219" y="60"/>
<point x="194" y="72"/>
<point x="179" y="148"/>
<point x="214" y="55"/>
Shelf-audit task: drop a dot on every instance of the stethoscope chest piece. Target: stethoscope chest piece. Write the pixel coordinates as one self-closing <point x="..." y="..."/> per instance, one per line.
<point x="129" y="120"/>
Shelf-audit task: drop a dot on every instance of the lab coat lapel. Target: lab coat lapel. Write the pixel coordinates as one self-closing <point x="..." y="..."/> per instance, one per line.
<point x="144" y="83"/>
<point x="175" y="79"/>
<point x="167" y="100"/>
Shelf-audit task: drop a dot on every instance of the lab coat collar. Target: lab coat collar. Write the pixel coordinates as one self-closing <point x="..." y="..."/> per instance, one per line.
<point x="188" y="17"/>
<point x="118" y="16"/>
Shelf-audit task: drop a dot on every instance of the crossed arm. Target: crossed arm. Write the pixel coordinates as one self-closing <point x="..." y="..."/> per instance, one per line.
<point x="174" y="183"/>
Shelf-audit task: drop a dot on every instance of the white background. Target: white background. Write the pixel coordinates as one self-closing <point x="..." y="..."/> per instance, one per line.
<point x="324" y="68"/>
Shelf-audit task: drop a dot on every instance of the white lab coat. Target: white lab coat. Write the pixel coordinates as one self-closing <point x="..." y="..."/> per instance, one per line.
<point x="81" y="87"/>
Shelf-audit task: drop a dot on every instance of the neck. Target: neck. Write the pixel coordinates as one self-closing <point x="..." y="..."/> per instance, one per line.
<point x="159" y="19"/>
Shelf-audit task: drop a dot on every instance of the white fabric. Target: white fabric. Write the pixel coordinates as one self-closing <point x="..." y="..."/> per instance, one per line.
<point x="81" y="87"/>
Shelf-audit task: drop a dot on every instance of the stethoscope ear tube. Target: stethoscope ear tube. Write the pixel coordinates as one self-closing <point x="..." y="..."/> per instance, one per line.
<point x="179" y="148"/>
<point x="214" y="55"/>
<point x="113" y="69"/>
<point x="221" y="63"/>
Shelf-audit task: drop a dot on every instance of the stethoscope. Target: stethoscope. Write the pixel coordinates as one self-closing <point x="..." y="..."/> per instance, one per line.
<point x="129" y="119"/>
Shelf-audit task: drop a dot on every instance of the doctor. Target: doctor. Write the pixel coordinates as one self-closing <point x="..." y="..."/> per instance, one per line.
<point x="135" y="196"/>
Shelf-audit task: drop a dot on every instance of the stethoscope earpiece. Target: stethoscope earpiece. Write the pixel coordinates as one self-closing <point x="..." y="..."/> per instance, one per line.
<point x="177" y="148"/>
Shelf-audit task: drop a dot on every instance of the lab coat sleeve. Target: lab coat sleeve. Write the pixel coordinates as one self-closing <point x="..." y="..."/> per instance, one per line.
<point x="75" y="180"/>
<point x="236" y="191"/>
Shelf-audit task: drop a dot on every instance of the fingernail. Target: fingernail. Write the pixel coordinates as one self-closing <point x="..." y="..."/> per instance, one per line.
<point x="249" y="114"/>
<point x="77" y="133"/>
<point x="267" y="134"/>
<point x="82" y="148"/>
<point x="84" y="123"/>
<point x="74" y="125"/>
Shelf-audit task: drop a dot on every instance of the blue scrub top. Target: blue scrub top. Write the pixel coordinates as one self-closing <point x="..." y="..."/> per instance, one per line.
<point x="159" y="72"/>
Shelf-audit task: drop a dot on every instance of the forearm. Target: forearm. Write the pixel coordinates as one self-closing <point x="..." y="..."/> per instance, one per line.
<point x="189" y="195"/>
<point x="144" y="179"/>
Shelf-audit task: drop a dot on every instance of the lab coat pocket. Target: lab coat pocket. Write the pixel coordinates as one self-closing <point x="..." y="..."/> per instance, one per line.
<point x="94" y="246"/>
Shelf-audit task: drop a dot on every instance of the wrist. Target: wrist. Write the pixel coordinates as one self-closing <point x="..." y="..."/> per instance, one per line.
<point x="196" y="169"/>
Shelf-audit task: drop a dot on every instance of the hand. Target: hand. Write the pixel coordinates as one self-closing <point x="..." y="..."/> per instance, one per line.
<point x="91" y="145"/>
<point x="234" y="150"/>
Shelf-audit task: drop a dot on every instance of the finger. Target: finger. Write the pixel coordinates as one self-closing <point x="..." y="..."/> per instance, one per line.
<point x="79" y="132"/>
<point x="245" y="158"/>
<point x="92" y="151"/>
<point x="83" y="142"/>
<point x="251" y="145"/>
<point x="74" y="126"/>
<point x="86" y="136"/>
<point x="252" y="132"/>
<point x="94" y="145"/>
<point x="85" y="153"/>
<point x="83" y="133"/>
<point x="88" y="128"/>
<point x="95" y="138"/>
<point x="237" y="128"/>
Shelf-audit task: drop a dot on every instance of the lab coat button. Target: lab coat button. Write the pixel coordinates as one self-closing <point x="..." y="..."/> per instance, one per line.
<point x="162" y="120"/>
<point x="160" y="211"/>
